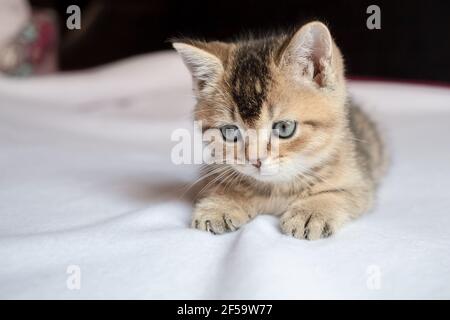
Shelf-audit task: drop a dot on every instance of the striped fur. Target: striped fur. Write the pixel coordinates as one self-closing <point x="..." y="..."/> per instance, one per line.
<point x="329" y="169"/>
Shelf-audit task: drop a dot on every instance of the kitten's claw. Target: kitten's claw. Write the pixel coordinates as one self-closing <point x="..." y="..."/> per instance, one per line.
<point x="215" y="222"/>
<point x="307" y="226"/>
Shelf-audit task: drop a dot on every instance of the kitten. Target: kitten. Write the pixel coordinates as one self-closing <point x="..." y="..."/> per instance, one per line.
<point x="329" y="156"/>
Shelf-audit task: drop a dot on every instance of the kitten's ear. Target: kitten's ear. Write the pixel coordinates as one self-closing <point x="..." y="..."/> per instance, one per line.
<point x="204" y="60"/>
<point x="309" y="54"/>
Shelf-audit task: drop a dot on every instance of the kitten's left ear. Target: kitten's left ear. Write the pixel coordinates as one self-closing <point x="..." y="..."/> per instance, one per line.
<point x="311" y="54"/>
<point x="204" y="60"/>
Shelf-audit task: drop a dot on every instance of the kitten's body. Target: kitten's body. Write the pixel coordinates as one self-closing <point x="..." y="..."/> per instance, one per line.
<point x="328" y="170"/>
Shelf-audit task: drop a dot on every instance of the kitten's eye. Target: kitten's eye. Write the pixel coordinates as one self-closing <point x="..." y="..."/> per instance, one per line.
<point x="284" y="129"/>
<point x="230" y="133"/>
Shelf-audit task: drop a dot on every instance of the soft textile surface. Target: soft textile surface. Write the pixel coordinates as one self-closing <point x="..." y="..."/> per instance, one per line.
<point x="86" y="180"/>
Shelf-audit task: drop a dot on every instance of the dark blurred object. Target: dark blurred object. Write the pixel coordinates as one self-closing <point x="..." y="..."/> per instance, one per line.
<point x="34" y="49"/>
<point x="413" y="42"/>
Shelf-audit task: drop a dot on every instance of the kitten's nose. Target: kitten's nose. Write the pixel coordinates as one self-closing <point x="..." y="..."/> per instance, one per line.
<point x="257" y="164"/>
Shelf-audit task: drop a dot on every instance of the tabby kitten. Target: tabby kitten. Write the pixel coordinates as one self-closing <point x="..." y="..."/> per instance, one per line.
<point x="329" y="158"/>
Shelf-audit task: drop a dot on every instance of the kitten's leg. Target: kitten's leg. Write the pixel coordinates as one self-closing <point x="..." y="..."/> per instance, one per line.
<point x="321" y="215"/>
<point x="218" y="214"/>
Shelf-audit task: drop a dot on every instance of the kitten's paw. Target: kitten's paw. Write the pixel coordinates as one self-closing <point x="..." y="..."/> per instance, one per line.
<point x="217" y="222"/>
<point x="309" y="226"/>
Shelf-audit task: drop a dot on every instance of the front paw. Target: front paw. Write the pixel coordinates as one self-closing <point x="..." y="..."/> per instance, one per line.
<point x="307" y="225"/>
<point x="218" y="219"/>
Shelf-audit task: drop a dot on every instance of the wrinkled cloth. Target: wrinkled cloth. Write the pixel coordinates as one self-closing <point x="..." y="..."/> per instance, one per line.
<point x="88" y="190"/>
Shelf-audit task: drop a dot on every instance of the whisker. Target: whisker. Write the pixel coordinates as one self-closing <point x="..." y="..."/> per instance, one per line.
<point x="232" y="178"/>
<point x="221" y="175"/>
<point x="202" y="177"/>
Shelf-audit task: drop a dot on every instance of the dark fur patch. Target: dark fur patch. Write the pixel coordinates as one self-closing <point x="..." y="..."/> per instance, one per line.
<point x="250" y="77"/>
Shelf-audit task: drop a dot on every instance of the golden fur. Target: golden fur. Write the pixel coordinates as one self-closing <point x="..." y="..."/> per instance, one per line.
<point x="328" y="171"/>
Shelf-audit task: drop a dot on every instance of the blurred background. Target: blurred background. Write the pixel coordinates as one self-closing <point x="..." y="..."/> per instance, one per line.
<point x="412" y="44"/>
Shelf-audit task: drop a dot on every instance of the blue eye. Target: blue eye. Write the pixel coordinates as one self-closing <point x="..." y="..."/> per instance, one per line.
<point x="230" y="133"/>
<point x="284" y="129"/>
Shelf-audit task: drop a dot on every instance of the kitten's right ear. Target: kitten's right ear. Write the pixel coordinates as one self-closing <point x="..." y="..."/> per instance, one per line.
<point x="312" y="55"/>
<point x="203" y="61"/>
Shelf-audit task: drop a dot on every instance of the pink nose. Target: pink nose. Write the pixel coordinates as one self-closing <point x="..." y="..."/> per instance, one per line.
<point x="257" y="164"/>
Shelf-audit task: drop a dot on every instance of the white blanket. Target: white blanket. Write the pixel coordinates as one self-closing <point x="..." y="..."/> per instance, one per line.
<point x="91" y="206"/>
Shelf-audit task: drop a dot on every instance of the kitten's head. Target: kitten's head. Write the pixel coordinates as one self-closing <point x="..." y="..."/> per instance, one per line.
<point x="290" y="89"/>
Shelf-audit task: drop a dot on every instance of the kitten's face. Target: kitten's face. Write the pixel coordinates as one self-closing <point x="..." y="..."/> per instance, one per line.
<point x="277" y="110"/>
